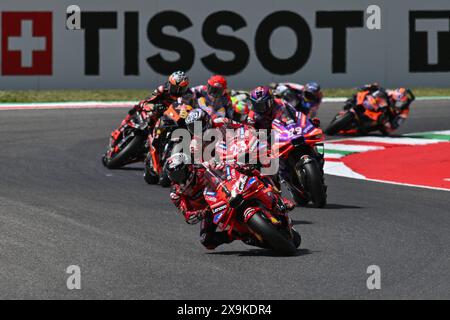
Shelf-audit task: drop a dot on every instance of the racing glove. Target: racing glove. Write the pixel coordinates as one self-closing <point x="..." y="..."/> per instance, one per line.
<point x="316" y="122"/>
<point x="194" y="217"/>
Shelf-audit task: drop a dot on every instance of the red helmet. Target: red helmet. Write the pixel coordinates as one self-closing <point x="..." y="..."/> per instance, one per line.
<point x="216" y="86"/>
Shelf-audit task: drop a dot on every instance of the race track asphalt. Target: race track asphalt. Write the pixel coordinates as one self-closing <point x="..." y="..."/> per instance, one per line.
<point x="59" y="206"/>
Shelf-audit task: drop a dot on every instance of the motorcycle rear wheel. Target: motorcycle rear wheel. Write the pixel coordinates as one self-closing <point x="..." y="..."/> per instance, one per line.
<point x="275" y="239"/>
<point x="339" y="123"/>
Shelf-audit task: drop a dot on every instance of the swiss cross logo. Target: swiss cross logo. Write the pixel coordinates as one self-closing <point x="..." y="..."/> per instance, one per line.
<point x="26" y="43"/>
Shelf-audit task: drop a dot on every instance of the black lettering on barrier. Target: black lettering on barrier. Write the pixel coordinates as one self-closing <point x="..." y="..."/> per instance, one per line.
<point x="224" y="42"/>
<point x="92" y="22"/>
<point x="131" y="43"/>
<point x="339" y="21"/>
<point x="164" y="41"/>
<point x="428" y="38"/>
<point x="262" y="42"/>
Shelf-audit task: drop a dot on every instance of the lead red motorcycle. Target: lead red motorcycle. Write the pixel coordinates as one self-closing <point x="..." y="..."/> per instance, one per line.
<point x="249" y="209"/>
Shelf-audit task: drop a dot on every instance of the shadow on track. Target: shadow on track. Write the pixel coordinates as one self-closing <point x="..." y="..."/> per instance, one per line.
<point x="341" y="206"/>
<point x="260" y="253"/>
<point x="297" y="222"/>
<point x="129" y="169"/>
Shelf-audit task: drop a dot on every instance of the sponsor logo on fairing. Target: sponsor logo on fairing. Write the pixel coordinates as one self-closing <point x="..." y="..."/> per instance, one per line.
<point x="218" y="209"/>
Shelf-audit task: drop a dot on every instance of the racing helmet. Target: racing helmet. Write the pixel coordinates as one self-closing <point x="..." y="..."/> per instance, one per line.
<point x="216" y="87"/>
<point x="240" y="108"/>
<point x="399" y="97"/>
<point x="178" y="169"/>
<point x="198" y="115"/>
<point x="381" y="98"/>
<point x="312" y="94"/>
<point x="262" y="100"/>
<point x="178" y="83"/>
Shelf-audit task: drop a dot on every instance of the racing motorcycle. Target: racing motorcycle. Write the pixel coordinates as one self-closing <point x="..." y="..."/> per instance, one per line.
<point x="366" y="116"/>
<point x="127" y="143"/>
<point x="160" y="143"/>
<point x="247" y="207"/>
<point x="297" y="145"/>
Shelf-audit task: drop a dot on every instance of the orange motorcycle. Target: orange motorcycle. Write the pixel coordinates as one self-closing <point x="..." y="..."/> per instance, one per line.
<point x="160" y="143"/>
<point x="369" y="113"/>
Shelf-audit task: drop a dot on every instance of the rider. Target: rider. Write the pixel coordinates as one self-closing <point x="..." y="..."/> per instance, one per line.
<point x="399" y="99"/>
<point x="397" y="103"/>
<point x="187" y="195"/>
<point x="304" y="98"/>
<point x="266" y="108"/>
<point x="213" y="97"/>
<point x="370" y="88"/>
<point x="162" y="97"/>
<point x="189" y="189"/>
<point x="240" y="107"/>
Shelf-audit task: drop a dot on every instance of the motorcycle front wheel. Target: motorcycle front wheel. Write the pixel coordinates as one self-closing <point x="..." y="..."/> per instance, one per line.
<point x="130" y="151"/>
<point x="312" y="179"/>
<point x="340" y="123"/>
<point x="273" y="237"/>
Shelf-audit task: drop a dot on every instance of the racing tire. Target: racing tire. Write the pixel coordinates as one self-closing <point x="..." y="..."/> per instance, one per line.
<point x="313" y="180"/>
<point x="339" y="123"/>
<point x="275" y="239"/>
<point x="104" y="160"/>
<point x="130" y="150"/>
<point x="150" y="176"/>
<point x="296" y="238"/>
<point x="165" y="181"/>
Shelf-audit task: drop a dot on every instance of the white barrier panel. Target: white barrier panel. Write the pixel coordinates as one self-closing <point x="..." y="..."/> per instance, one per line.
<point x="136" y="43"/>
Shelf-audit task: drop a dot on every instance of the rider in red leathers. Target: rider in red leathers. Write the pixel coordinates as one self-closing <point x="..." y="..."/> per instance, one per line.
<point x="188" y="196"/>
<point x="189" y="192"/>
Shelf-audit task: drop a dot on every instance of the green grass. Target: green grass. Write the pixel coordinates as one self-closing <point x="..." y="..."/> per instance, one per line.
<point x="72" y="95"/>
<point x="133" y="95"/>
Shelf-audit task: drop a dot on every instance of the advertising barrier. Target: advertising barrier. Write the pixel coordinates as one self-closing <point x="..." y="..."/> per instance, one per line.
<point x="47" y="44"/>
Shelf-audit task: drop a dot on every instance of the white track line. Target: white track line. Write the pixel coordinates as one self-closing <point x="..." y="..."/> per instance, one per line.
<point x="350" y="147"/>
<point x="333" y="155"/>
<point x="408" y="185"/>
<point x="388" y="140"/>
<point x="340" y="169"/>
<point x="66" y="105"/>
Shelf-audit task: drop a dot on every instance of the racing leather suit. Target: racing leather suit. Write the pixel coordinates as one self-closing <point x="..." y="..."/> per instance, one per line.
<point x="292" y="93"/>
<point x="215" y="107"/>
<point x="192" y="204"/>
